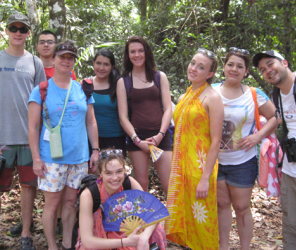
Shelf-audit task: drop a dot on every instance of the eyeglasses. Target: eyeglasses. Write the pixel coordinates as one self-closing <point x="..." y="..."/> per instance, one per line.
<point x="207" y="52"/>
<point x="66" y="47"/>
<point x="244" y="52"/>
<point x="49" y="42"/>
<point x="14" y="29"/>
<point x="106" y="153"/>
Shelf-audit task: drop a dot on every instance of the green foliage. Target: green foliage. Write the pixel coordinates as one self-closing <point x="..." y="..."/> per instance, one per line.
<point x="95" y="24"/>
<point x="174" y="29"/>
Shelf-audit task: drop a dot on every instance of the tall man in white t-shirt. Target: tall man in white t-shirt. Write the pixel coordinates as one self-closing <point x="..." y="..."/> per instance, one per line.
<point x="20" y="72"/>
<point x="275" y="71"/>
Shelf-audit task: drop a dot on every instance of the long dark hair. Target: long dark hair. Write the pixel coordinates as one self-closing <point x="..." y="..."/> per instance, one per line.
<point x="150" y="67"/>
<point x="114" y="74"/>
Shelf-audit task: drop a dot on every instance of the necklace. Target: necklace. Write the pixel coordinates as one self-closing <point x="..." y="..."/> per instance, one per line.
<point x="140" y="79"/>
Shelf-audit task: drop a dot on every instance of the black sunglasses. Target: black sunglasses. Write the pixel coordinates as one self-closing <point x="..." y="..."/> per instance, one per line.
<point x="106" y="153"/>
<point x="14" y="29"/>
<point x="62" y="47"/>
<point x="244" y="52"/>
<point x="207" y="52"/>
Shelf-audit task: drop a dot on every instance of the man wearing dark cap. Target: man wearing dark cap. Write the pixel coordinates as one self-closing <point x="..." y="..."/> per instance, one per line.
<point x="20" y="72"/>
<point x="275" y="71"/>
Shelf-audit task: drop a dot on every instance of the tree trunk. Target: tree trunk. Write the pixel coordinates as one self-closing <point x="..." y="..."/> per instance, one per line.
<point x="224" y="8"/>
<point x="57" y="15"/>
<point x="33" y="16"/>
<point x="287" y="30"/>
<point x="143" y="8"/>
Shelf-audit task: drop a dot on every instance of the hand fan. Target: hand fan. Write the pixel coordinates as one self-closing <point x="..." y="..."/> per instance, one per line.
<point x="155" y="152"/>
<point x="127" y="210"/>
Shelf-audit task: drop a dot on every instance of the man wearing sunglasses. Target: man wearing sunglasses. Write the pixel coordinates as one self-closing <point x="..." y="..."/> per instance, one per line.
<point x="46" y="44"/>
<point x="275" y="71"/>
<point x="20" y="72"/>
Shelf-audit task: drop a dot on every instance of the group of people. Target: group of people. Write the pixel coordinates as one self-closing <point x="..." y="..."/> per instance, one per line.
<point x="68" y="132"/>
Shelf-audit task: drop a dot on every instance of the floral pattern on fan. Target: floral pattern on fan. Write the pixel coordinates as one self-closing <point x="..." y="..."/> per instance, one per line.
<point x="127" y="210"/>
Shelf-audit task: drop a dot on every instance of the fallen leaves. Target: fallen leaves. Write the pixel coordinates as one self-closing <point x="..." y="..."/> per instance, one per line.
<point x="266" y="213"/>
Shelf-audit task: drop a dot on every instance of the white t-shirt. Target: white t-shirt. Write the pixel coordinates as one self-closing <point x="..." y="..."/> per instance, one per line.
<point x="289" y="109"/>
<point x="239" y="119"/>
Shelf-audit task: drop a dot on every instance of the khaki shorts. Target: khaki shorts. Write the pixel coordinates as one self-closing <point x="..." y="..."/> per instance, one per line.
<point x="59" y="175"/>
<point x="19" y="156"/>
<point x="288" y="201"/>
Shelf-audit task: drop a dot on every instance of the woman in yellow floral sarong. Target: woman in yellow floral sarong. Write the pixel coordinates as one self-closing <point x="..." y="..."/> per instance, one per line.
<point x="192" y="195"/>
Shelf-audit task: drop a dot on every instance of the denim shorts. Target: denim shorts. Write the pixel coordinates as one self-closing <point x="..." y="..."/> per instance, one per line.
<point x="241" y="175"/>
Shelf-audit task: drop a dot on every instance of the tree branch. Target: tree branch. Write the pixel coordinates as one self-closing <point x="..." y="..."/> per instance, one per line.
<point x="260" y="81"/>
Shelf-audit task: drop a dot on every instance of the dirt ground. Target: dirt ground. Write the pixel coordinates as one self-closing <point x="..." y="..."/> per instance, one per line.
<point x="266" y="214"/>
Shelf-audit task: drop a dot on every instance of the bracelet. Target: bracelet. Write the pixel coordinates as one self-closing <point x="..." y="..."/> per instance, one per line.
<point x="134" y="136"/>
<point x="138" y="141"/>
<point x="154" y="141"/>
<point x="121" y="243"/>
<point x="163" y="134"/>
<point x="96" y="149"/>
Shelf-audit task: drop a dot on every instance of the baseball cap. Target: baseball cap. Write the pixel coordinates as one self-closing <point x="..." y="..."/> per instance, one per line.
<point x="18" y="18"/>
<point x="268" y="53"/>
<point x="66" y="48"/>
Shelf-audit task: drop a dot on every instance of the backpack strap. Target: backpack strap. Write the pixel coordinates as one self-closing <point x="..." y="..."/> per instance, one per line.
<point x="95" y="193"/>
<point x="157" y="81"/>
<point x="257" y="119"/>
<point x="275" y="97"/>
<point x="43" y="91"/>
<point x="127" y="183"/>
<point x="285" y="128"/>
<point x="88" y="87"/>
<point x="34" y="69"/>
<point x="96" y="196"/>
<point x="128" y="83"/>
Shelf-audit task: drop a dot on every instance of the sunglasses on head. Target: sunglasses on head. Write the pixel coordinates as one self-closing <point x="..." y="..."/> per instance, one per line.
<point x="207" y="52"/>
<point x="66" y="47"/>
<point x="49" y="42"/>
<point x="106" y="153"/>
<point x="244" y="52"/>
<point x="14" y="29"/>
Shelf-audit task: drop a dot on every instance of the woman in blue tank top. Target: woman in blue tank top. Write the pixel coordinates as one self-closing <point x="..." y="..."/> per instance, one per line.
<point x="111" y="134"/>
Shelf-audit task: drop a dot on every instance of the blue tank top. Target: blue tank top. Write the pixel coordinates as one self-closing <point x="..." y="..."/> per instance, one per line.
<point x="106" y="114"/>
